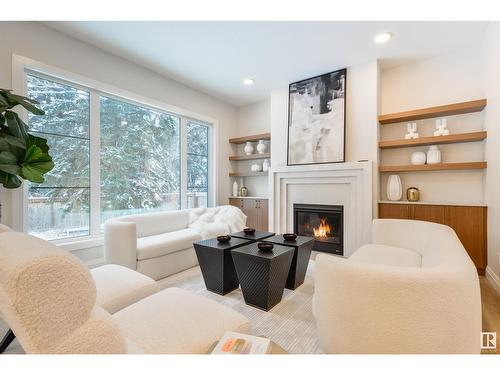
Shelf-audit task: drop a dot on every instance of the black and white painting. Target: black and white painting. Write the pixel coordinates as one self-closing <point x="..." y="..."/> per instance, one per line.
<point x="316" y="119"/>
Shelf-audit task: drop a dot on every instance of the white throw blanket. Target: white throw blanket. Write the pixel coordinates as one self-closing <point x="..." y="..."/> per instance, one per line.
<point x="231" y="217"/>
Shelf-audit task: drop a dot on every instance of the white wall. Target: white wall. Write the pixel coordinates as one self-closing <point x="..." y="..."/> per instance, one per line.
<point x="361" y="119"/>
<point x="38" y="42"/>
<point x="491" y="77"/>
<point x="440" y="80"/>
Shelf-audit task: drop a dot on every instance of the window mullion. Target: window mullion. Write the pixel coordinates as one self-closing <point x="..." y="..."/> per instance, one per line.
<point x="184" y="155"/>
<point x="95" y="174"/>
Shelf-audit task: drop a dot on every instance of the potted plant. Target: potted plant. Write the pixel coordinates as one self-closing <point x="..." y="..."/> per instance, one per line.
<point x="23" y="156"/>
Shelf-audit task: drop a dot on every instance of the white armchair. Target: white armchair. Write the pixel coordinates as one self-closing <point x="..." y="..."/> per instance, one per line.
<point x="413" y="290"/>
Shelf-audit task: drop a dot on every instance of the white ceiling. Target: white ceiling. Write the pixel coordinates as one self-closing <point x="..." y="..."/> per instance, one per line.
<point x="214" y="57"/>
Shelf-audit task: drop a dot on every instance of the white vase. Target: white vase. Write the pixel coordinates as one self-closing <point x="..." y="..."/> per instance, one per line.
<point x="235" y="189"/>
<point x="265" y="165"/>
<point x="261" y="147"/>
<point x="433" y="155"/>
<point x="248" y="148"/>
<point x="256" y="167"/>
<point x="394" y="188"/>
<point x="418" y="158"/>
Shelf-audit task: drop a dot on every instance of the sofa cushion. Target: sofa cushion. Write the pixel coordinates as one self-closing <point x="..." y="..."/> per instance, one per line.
<point x="166" y="243"/>
<point x="189" y="323"/>
<point x="386" y="255"/>
<point x="119" y="287"/>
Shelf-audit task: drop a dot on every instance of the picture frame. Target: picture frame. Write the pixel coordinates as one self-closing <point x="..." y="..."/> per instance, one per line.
<point x="317" y="119"/>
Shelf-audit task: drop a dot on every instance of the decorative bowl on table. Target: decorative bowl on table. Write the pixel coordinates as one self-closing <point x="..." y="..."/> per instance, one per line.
<point x="289" y="236"/>
<point x="265" y="246"/>
<point x="224" y="239"/>
<point x="249" y="230"/>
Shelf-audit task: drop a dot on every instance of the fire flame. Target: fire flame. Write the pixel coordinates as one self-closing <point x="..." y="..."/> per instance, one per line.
<point x="323" y="230"/>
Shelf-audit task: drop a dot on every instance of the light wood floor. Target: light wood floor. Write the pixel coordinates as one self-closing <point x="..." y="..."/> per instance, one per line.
<point x="491" y="311"/>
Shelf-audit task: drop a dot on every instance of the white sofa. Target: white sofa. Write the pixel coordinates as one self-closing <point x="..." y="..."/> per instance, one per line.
<point x="413" y="290"/>
<point x="48" y="298"/>
<point x="160" y="244"/>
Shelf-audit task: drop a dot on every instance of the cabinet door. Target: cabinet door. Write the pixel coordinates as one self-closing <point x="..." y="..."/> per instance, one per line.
<point x="236" y="202"/>
<point x="470" y="224"/>
<point x="394" y="211"/>
<point x="250" y="209"/>
<point x="262" y="207"/>
<point x="430" y="213"/>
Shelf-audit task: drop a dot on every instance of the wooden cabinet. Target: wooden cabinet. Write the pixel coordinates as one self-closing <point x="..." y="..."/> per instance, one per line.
<point x="256" y="211"/>
<point x="469" y="222"/>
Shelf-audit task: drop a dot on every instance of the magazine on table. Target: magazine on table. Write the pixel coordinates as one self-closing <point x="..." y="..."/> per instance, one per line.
<point x="239" y="343"/>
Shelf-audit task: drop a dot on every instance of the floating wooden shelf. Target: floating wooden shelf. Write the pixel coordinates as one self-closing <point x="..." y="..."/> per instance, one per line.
<point x="444" y="139"/>
<point x="439" y="111"/>
<point x="432" y="167"/>
<point x="247" y="174"/>
<point x="266" y="155"/>
<point x="250" y="138"/>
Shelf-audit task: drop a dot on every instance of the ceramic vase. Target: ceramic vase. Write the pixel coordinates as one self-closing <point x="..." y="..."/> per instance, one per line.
<point x="412" y="194"/>
<point x="394" y="188"/>
<point x="433" y="155"/>
<point x="418" y="158"/>
<point x="256" y="168"/>
<point x="235" y="189"/>
<point x="261" y="147"/>
<point x="265" y="165"/>
<point x="248" y="148"/>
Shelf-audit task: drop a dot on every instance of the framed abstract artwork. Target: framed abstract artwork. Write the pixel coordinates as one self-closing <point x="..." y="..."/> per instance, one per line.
<point x="316" y="119"/>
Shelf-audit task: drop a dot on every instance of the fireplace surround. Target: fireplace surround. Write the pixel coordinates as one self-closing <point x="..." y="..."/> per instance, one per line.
<point x="323" y="222"/>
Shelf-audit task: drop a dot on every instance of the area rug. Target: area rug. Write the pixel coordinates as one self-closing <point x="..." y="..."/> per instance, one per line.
<point x="290" y="324"/>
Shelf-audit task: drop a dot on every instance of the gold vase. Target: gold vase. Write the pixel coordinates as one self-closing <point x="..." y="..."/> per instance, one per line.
<point x="412" y="194"/>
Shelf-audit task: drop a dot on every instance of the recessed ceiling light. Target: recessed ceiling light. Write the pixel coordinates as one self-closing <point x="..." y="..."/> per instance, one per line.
<point x="249" y="81"/>
<point x="383" y="37"/>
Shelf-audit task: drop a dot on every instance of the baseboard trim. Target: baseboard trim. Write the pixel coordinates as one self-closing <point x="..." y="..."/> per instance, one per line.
<point x="493" y="278"/>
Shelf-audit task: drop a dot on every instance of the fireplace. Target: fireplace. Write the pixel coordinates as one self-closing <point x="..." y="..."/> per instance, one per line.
<point x="323" y="222"/>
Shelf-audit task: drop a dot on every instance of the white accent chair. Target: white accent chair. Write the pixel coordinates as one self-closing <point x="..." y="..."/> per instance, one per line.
<point x="48" y="298"/>
<point x="160" y="244"/>
<point x="413" y="290"/>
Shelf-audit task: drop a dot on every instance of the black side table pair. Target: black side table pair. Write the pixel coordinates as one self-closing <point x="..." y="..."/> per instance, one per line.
<point x="262" y="275"/>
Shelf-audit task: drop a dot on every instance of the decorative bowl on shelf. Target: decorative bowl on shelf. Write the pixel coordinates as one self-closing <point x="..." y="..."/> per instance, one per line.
<point x="265" y="246"/>
<point x="249" y="230"/>
<point x="224" y="239"/>
<point x="289" y="236"/>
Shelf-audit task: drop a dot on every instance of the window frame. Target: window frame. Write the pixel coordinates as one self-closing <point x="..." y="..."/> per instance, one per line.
<point x="21" y="66"/>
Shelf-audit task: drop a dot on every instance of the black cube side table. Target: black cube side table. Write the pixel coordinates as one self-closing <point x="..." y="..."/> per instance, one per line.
<point x="257" y="236"/>
<point x="262" y="274"/>
<point x="217" y="265"/>
<point x="302" y="252"/>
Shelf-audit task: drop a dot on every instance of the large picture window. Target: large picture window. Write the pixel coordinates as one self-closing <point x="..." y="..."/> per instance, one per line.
<point x="139" y="164"/>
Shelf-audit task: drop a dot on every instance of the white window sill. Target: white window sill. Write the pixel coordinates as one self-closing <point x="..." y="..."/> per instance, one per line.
<point x="74" y="244"/>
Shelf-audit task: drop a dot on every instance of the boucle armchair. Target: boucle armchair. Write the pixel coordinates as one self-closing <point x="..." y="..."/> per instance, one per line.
<point x="48" y="298"/>
<point x="413" y="290"/>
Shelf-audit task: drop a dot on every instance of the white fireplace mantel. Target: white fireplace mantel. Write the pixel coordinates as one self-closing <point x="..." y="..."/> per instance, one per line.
<point x="346" y="184"/>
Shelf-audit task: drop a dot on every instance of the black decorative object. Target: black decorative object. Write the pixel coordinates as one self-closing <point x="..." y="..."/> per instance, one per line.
<point x="217" y="265"/>
<point x="265" y="246"/>
<point x="262" y="275"/>
<point x="224" y="239"/>
<point x="302" y="247"/>
<point x="316" y="119"/>
<point x="257" y="236"/>
<point x="289" y="236"/>
<point x="249" y="230"/>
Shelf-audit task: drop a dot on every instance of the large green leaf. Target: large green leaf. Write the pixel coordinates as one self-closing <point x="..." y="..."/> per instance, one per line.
<point x="12" y="141"/>
<point x="35" y="164"/>
<point x="8" y="163"/>
<point x="27" y="103"/>
<point x="9" y="181"/>
<point x="16" y="125"/>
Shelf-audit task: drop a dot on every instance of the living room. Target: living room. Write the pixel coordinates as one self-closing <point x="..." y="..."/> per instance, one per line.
<point x="260" y="186"/>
